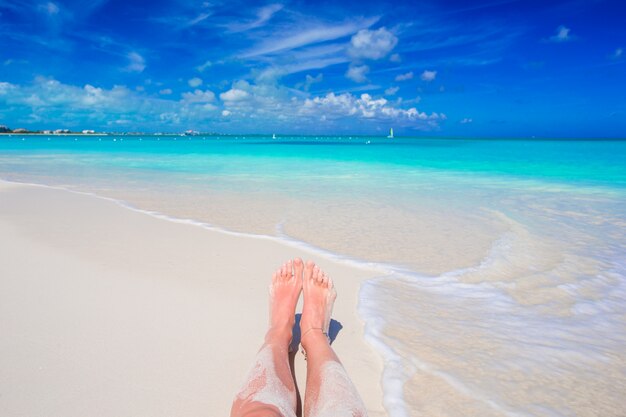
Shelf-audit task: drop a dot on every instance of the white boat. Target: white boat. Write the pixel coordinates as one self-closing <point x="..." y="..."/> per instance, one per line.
<point x="273" y="135"/>
<point x="390" y="133"/>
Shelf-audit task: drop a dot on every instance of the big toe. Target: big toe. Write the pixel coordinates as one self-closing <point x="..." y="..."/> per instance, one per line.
<point x="308" y="270"/>
<point x="298" y="267"/>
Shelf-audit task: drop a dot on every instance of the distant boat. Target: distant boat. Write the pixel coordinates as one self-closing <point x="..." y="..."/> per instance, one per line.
<point x="273" y="135"/>
<point x="390" y="133"/>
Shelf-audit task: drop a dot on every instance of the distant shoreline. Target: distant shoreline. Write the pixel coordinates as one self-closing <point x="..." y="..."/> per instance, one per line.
<point x="53" y="134"/>
<point x="282" y="136"/>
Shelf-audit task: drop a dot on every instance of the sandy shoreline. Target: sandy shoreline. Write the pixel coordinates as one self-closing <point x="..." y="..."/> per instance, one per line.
<point x="109" y="311"/>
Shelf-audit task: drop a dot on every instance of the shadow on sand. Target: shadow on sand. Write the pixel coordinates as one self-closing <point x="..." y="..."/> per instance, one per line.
<point x="333" y="332"/>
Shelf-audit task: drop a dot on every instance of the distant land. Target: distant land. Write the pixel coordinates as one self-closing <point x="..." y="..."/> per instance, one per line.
<point x="4" y="130"/>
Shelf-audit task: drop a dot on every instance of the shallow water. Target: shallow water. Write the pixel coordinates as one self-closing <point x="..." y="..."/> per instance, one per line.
<point x="506" y="268"/>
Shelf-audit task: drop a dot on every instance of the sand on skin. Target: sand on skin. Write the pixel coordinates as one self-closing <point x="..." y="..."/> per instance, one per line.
<point x="108" y="311"/>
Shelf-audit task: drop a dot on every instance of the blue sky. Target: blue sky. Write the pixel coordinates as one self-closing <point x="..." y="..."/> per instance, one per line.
<point x="445" y="68"/>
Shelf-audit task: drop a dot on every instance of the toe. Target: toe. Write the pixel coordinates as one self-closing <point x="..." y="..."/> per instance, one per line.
<point x="324" y="279"/>
<point x="298" y="266"/>
<point x="308" y="270"/>
<point x="317" y="274"/>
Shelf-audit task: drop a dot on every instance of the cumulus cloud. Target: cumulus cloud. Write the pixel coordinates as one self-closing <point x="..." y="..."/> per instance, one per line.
<point x="465" y="121"/>
<point x="562" y="35"/>
<point x="404" y="77"/>
<point x="391" y="91"/>
<point x="428" y="76"/>
<point x="195" y="82"/>
<point x="395" y="58"/>
<point x="50" y="101"/>
<point x="204" y="66"/>
<point x="6" y="88"/>
<point x="357" y="73"/>
<point x="198" y="96"/>
<point x="136" y="62"/>
<point x="165" y="91"/>
<point x="310" y="80"/>
<point x="367" y="107"/>
<point x="372" y="44"/>
<point x="234" y="95"/>
<point x="170" y="117"/>
<point x="47" y="93"/>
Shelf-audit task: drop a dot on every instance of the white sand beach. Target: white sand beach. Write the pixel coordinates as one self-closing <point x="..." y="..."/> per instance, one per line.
<point x="107" y="311"/>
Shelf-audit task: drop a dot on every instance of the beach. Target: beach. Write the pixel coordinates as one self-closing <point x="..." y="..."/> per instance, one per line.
<point x="475" y="277"/>
<point x="456" y="168"/>
<point x="109" y="311"/>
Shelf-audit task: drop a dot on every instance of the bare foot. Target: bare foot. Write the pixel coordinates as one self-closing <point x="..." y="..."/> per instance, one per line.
<point x="319" y="297"/>
<point x="284" y="293"/>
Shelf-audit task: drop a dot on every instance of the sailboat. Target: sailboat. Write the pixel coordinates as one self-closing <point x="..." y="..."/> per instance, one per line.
<point x="390" y="133"/>
<point x="273" y="135"/>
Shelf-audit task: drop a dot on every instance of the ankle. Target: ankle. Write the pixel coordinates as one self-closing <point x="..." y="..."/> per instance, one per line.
<point x="314" y="336"/>
<point x="279" y="334"/>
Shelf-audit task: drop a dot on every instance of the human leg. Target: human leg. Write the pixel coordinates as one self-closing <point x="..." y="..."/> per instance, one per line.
<point x="270" y="390"/>
<point x="329" y="390"/>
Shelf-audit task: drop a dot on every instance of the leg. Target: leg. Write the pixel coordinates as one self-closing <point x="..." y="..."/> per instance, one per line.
<point x="269" y="390"/>
<point x="329" y="390"/>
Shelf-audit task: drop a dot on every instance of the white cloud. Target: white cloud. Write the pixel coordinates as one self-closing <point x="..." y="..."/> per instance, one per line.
<point x="204" y="66"/>
<point x="170" y="117"/>
<point x="365" y="106"/>
<point x="465" y="121"/>
<point x="372" y="44"/>
<point x="310" y="80"/>
<point x="404" y="77"/>
<point x="391" y="91"/>
<point x="562" y="35"/>
<point x="49" y="94"/>
<point x="165" y="91"/>
<point x="275" y="72"/>
<point x="200" y="18"/>
<point x="302" y="36"/>
<point x="357" y="73"/>
<point x="199" y="96"/>
<point x="50" y="8"/>
<point x="428" y="76"/>
<point x="195" y="82"/>
<point x="234" y="95"/>
<point x="51" y="102"/>
<point x="618" y="53"/>
<point x="263" y="15"/>
<point x="136" y="62"/>
<point x="5" y="87"/>
<point x="395" y="58"/>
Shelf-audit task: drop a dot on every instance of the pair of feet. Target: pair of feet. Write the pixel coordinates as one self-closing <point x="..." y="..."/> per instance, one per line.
<point x="288" y="282"/>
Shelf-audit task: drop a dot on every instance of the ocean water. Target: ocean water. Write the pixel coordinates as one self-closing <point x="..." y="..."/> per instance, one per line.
<point x="502" y="288"/>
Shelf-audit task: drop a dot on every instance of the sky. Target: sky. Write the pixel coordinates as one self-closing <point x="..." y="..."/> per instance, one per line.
<point x="489" y="68"/>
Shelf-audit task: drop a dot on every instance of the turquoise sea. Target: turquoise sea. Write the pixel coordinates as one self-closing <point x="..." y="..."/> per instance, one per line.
<point x="502" y="263"/>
